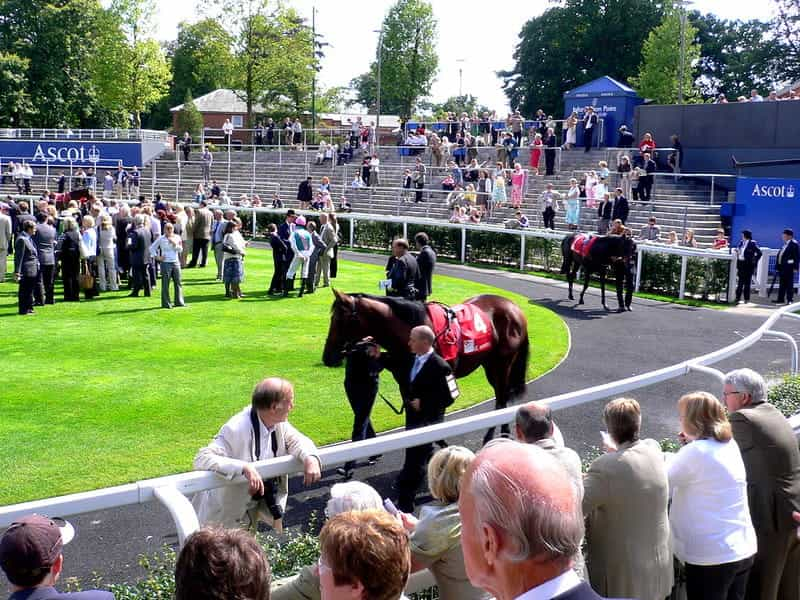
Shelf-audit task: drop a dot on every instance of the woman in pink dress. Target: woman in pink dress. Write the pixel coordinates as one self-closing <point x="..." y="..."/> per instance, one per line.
<point x="591" y="193"/>
<point x="517" y="185"/>
<point x="536" y="152"/>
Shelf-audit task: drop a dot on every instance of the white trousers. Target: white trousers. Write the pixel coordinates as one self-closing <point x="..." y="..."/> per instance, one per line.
<point x="298" y="262"/>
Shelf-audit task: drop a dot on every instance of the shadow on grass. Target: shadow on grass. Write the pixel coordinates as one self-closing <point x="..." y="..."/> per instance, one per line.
<point x="131" y="311"/>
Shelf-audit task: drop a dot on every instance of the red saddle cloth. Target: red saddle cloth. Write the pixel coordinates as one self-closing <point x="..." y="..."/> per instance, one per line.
<point x="582" y="244"/>
<point x="460" y="329"/>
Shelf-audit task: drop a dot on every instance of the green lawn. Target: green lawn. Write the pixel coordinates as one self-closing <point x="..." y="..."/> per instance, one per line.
<point x="116" y="389"/>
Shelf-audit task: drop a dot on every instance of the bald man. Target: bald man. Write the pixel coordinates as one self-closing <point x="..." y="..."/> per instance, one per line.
<point x="258" y="432"/>
<point x="521" y="524"/>
<point x="431" y="389"/>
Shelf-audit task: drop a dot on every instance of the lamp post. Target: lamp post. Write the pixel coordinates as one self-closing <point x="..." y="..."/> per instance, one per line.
<point x="378" y="108"/>
<point x="460" y="75"/>
<point x="682" y="4"/>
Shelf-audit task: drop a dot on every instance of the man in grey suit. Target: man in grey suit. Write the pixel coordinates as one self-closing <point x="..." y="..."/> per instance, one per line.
<point x="5" y="239"/>
<point x="45" y="240"/>
<point x="772" y="461"/>
<point x="26" y="267"/>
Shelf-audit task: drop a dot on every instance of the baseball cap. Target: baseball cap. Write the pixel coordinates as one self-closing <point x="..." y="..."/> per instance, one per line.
<point x="31" y="545"/>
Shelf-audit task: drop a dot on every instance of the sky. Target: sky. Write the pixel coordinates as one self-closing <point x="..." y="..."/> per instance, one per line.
<point x="467" y="44"/>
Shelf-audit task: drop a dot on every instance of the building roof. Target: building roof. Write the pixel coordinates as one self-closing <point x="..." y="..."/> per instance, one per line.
<point x="222" y="101"/>
<point x="604" y="86"/>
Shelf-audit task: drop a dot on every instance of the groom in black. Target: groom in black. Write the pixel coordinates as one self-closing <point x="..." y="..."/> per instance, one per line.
<point x="431" y="389"/>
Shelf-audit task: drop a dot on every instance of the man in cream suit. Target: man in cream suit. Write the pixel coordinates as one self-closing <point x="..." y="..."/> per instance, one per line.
<point x="258" y="432"/>
<point x="5" y="239"/>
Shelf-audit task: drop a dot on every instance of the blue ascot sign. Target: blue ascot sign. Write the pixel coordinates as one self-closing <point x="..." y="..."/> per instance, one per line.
<point x="766" y="207"/>
<point x="78" y="154"/>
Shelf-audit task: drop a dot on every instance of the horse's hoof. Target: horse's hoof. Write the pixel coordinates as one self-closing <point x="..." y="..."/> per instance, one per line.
<point x="629" y="309"/>
<point x="580" y="301"/>
<point x="621" y="309"/>
<point x="571" y="297"/>
<point x="605" y="307"/>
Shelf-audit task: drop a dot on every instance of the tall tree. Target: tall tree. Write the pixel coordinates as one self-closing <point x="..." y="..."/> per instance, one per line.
<point x="569" y="45"/>
<point x="736" y="56"/>
<point x="189" y="118"/>
<point x="57" y="39"/>
<point x="273" y="53"/>
<point x="15" y="103"/>
<point x="132" y="73"/>
<point x="456" y="104"/>
<point x="662" y="77"/>
<point x="408" y="59"/>
<point x="201" y="59"/>
<point x="786" y="28"/>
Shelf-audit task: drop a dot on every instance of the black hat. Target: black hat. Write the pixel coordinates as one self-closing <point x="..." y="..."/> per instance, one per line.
<point x="788" y="232"/>
<point x="747" y="233"/>
<point x="290" y="212"/>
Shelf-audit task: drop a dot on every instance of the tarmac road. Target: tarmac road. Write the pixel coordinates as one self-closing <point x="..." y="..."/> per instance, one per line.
<point x="605" y="346"/>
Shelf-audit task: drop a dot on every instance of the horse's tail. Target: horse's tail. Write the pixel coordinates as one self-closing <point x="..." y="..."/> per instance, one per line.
<point x="518" y="373"/>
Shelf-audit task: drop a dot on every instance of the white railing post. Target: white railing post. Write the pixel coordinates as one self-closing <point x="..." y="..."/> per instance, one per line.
<point x="153" y="179"/>
<point x="682" y="288"/>
<point x="352" y="232"/>
<point x="731" y="278"/>
<point x="639" y="261"/>
<point x="711" y="199"/>
<point x="254" y="223"/>
<point x="181" y="509"/>
<point x="463" y="245"/>
<point x="521" y="251"/>
<point x="792" y="343"/>
<point x="405" y="230"/>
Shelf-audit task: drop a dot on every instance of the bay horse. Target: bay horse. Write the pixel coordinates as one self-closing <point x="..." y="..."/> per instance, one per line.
<point x="605" y="251"/>
<point x="389" y="320"/>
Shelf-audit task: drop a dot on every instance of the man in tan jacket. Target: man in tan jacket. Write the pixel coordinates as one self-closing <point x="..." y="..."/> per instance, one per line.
<point x="772" y="461"/>
<point x="258" y="432"/>
<point x="625" y="504"/>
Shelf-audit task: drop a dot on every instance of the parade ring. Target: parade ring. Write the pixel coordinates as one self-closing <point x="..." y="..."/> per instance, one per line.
<point x="116" y="389"/>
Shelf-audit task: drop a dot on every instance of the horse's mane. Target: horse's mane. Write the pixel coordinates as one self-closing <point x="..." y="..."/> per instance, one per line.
<point x="413" y="313"/>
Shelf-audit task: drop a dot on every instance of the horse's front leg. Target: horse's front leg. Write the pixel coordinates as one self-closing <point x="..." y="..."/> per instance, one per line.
<point x="586" y="274"/>
<point x="603" y="288"/>
<point x="570" y="279"/>
<point x="620" y="280"/>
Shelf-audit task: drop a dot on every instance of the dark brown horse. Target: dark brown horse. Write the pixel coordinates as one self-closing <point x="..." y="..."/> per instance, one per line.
<point x="389" y="321"/>
<point x="605" y="251"/>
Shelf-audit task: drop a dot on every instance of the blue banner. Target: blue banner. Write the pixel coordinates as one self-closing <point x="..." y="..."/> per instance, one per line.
<point x="78" y="154"/>
<point x="766" y="207"/>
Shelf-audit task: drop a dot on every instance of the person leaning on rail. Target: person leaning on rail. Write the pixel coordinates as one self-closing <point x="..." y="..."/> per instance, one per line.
<point x="257" y="432"/>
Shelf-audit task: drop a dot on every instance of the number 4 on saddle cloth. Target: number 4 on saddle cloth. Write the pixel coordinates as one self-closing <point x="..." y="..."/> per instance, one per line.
<point x="461" y="329"/>
<point x="582" y="244"/>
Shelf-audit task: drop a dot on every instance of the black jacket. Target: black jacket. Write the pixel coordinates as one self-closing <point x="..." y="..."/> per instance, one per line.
<point x="139" y="241"/>
<point x="431" y="387"/>
<point x="604" y="210"/>
<point x="404" y="275"/>
<point x="304" y="192"/>
<point x="751" y="255"/>
<point x="426" y="261"/>
<point x="789" y="257"/>
<point x="620" y="209"/>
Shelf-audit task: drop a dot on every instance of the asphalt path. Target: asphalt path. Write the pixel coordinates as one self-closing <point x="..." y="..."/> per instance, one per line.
<point x="605" y="346"/>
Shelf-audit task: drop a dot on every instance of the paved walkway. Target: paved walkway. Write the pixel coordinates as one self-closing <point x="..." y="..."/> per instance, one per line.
<point x="605" y="347"/>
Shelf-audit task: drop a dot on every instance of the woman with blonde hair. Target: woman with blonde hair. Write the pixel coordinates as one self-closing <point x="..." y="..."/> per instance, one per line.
<point x="435" y="538"/>
<point x="89" y="254"/>
<point x="709" y="516"/>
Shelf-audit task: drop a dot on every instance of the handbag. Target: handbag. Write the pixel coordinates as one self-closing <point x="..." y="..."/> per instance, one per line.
<point x="86" y="279"/>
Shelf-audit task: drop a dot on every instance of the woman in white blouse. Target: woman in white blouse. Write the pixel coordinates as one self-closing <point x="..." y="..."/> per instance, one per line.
<point x="166" y="250"/>
<point x="710" y="518"/>
<point x="106" y="242"/>
<point x="89" y="254"/>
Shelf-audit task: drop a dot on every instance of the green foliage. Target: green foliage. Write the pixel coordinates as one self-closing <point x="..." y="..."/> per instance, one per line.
<point x="705" y="278"/>
<point x="786" y="27"/>
<point x="785" y="395"/>
<point x="15" y="102"/>
<point x="660" y="72"/>
<point x="736" y="56"/>
<point x="273" y="54"/>
<point x="201" y="59"/>
<point x="569" y="44"/>
<point x="57" y="39"/>
<point x="189" y="118"/>
<point x="409" y="60"/>
<point x="456" y="104"/>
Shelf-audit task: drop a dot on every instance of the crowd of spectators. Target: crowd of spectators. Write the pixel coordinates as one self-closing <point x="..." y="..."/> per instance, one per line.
<point x="517" y="520"/>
